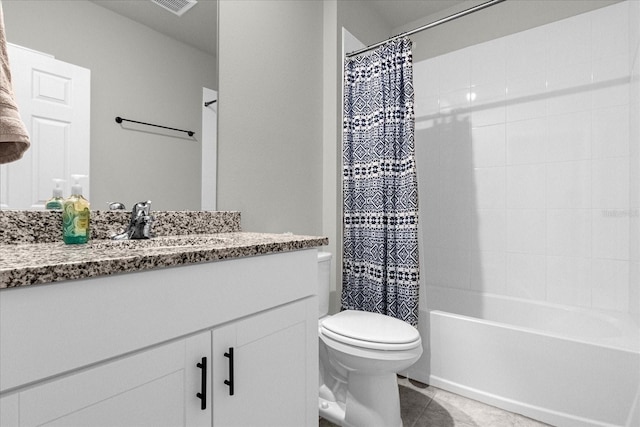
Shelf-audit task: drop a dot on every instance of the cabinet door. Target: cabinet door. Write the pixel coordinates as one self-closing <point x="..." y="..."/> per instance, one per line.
<point x="155" y="387"/>
<point x="270" y="372"/>
<point x="9" y="410"/>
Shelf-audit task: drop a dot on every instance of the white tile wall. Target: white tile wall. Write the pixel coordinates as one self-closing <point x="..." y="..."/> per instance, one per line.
<point x="568" y="83"/>
<point x="569" y="136"/>
<point x="488" y="64"/>
<point x="610" y="31"/>
<point x="528" y="150"/>
<point x="569" y="185"/>
<point x="569" y="232"/>
<point x="611" y="235"/>
<point x="488" y="271"/>
<point x="610" y="132"/>
<point x="488" y="144"/>
<point x="610" y="187"/>
<point x="634" y="160"/>
<point x="488" y="232"/>
<point x="526" y="141"/>
<point x="490" y="187"/>
<point x="610" y="80"/>
<point x="526" y="186"/>
<point x="488" y="103"/>
<point x="525" y="95"/>
<point x="526" y="230"/>
<point x="610" y="280"/>
<point x="526" y="275"/>
<point x="569" y="280"/>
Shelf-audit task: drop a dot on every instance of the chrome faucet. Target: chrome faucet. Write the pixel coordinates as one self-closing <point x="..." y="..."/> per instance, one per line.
<point x="116" y="206"/>
<point x="139" y="224"/>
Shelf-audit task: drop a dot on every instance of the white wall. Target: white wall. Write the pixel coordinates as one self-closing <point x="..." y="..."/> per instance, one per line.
<point x="523" y="146"/>
<point x="136" y="73"/>
<point x="270" y="114"/>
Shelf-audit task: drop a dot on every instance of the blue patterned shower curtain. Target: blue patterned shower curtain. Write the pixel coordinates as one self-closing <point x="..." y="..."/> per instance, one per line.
<point x="380" y="189"/>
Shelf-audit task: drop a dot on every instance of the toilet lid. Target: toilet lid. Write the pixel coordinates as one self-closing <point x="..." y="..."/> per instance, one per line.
<point x="370" y="329"/>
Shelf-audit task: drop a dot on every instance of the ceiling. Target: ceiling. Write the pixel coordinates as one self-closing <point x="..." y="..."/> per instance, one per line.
<point x="397" y="13"/>
<point x="198" y="26"/>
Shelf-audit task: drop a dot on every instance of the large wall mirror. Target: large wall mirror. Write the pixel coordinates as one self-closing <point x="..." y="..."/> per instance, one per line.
<point x="147" y="64"/>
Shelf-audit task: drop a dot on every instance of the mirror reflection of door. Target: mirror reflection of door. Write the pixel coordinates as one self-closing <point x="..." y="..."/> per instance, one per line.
<point x="54" y="100"/>
<point x="209" y="148"/>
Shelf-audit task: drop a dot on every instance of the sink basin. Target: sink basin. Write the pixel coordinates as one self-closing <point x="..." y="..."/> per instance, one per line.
<point x="162" y="242"/>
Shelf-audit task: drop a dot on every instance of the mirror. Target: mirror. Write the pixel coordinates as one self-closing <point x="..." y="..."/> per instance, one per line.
<point x="147" y="64"/>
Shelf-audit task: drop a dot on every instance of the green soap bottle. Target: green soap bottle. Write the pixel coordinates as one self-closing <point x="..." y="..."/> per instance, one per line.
<point x="76" y="215"/>
<point x="56" y="201"/>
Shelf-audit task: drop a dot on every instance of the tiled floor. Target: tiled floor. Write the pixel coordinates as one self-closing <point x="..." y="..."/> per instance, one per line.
<point x="432" y="407"/>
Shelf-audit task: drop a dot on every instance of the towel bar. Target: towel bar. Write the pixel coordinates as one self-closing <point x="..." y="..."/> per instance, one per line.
<point x="120" y="120"/>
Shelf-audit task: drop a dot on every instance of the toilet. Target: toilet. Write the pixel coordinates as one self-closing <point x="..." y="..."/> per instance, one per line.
<point x="360" y="354"/>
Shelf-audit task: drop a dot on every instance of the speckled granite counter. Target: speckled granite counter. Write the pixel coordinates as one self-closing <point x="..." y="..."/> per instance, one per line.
<point x="23" y="263"/>
<point x="17" y="227"/>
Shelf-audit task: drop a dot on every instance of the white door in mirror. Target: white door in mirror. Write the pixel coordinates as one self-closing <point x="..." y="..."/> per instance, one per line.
<point x="54" y="99"/>
<point x="209" y="148"/>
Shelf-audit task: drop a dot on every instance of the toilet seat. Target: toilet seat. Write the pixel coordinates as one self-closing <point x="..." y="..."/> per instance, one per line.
<point x="370" y="330"/>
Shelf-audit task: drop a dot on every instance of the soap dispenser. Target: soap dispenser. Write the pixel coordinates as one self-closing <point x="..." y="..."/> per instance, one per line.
<point x="76" y="215"/>
<point x="56" y="200"/>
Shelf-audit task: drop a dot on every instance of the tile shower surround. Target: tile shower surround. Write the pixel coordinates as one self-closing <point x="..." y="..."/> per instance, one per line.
<point x="527" y="151"/>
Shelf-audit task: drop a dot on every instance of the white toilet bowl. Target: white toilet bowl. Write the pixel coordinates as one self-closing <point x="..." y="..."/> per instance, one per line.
<point x="360" y="354"/>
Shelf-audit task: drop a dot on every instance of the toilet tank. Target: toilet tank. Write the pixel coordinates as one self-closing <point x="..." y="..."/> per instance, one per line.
<point x="324" y="282"/>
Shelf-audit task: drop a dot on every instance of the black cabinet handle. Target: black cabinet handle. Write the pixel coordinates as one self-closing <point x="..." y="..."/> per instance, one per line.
<point x="229" y="382"/>
<point x="203" y="384"/>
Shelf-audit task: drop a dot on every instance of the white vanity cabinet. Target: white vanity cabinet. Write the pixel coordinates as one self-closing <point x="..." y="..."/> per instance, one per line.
<point x="9" y="410"/>
<point x="151" y="388"/>
<point x="124" y="350"/>
<point x="260" y="368"/>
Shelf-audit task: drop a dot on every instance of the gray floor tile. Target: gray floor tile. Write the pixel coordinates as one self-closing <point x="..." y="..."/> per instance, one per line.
<point x="412" y="405"/>
<point x="432" y="407"/>
<point x="522" y="421"/>
<point x="437" y="415"/>
<point x="324" y="423"/>
<point x="470" y="412"/>
<point x="426" y="390"/>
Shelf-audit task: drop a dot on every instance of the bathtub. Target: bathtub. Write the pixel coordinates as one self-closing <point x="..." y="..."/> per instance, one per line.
<point x="563" y="366"/>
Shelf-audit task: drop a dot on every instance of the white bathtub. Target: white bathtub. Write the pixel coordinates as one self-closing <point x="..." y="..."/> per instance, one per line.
<point x="563" y="366"/>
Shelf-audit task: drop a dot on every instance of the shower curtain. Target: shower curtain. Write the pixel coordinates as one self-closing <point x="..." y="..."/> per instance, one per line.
<point x="380" y="190"/>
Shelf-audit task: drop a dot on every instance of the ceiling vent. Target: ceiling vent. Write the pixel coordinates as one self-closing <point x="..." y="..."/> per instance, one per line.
<point x="176" y="6"/>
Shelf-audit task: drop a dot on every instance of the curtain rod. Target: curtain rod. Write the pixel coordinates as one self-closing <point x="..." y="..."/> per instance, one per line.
<point x="427" y="26"/>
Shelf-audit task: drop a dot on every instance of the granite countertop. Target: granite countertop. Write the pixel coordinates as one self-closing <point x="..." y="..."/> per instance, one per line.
<point x="36" y="263"/>
<point x="217" y="237"/>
